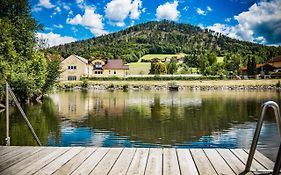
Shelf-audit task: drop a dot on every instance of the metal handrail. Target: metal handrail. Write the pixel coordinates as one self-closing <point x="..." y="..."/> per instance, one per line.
<point x="9" y="91"/>
<point x="265" y="106"/>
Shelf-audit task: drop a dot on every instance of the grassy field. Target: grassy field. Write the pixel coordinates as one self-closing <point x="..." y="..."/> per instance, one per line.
<point x="160" y="56"/>
<point x="139" y="68"/>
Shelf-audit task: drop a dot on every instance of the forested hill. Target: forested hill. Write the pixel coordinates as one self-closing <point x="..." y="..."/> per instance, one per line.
<point x="162" y="37"/>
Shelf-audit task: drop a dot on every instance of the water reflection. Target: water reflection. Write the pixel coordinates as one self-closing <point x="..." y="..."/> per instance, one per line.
<point x="146" y="119"/>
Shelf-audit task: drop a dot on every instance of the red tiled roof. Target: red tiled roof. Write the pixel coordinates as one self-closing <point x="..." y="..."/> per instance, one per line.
<point x="276" y="59"/>
<point x="115" y="64"/>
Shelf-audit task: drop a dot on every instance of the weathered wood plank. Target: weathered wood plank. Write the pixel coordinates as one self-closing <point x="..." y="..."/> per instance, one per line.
<point x="154" y="163"/>
<point x="6" y="149"/>
<point x="236" y="165"/>
<point x="218" y="162"/>
<point x="17" y="158"/>
<point x="123" y="162"/>
<point x="107" y="162"/>
<point x="53" y="154"/>
<point x="186" y="163"/>
<point x="13" y="153"/>
<point x="139" y="161"/>
<point x="266" y="162"/>
<point x="75" y="162"/>
<point x="89" y="164"/>
<point x="14" y="169"/>
<point x="202" y="163"/>
<point x="243" y="156"/>
<point x="58" y="162"/>
<point x="170" y="162"/>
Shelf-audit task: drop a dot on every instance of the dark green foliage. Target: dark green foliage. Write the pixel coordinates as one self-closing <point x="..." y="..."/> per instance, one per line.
<point x="251" y="65"/>
<point x="164" y="37"/>
<point x="158" y="68"/>
<point x="172" y="66"/>
<point x="232" y="63"/>
<point x="25" y="69"/>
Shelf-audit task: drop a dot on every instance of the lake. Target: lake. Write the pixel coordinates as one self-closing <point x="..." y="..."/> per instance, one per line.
<point x="184" y="119"/>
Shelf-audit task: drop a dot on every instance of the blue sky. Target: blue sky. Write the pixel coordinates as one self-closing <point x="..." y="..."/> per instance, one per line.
<point x="71" y="20"/>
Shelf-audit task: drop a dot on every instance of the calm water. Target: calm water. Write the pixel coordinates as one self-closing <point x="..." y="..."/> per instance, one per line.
<point x="185" y="119"/>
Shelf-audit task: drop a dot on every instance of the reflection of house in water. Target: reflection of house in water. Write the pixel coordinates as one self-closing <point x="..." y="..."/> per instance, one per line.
<point x="73" y="105"/>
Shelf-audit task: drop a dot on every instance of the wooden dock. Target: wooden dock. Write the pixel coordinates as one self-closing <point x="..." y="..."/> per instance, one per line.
<point x="145" y="161"/>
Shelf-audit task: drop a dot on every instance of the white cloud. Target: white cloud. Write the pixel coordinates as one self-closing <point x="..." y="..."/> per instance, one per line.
<point x="185" y="8"/>
<point x="227" y="19"/>
<point x="90" y="20"/>
<point x="45" y="3"/>
<point x="135" y="9"/>
<point x="200" y="11"/>
<point x="263" y="19"/>
<point x="58" y="26"/>
<point x="209" y="8"/>
<point x="229" y="31"/>
<point x="168" y="11"/>
<point x="118" y="10"/>
<point x="53" y="39"/>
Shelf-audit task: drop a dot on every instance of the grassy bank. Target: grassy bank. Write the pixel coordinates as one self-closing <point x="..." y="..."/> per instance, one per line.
<point x="191" y="83"/>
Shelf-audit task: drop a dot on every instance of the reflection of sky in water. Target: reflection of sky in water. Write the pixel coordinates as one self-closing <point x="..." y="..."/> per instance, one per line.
<point x="239" y="136"/>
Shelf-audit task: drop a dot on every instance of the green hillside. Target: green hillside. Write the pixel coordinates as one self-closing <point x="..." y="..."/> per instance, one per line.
<point x="163" y="37"/>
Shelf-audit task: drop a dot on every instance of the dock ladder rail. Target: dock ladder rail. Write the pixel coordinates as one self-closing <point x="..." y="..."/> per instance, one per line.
<point x="9" y="91"/>
<point x="265" y="106"/>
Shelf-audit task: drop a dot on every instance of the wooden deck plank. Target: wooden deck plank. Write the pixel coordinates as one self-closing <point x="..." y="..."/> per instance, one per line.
<point x="17" y="158"/>
<point x="170" y="162"/>
<point x="89" y="164"/>
<point x="122" y="164"/>
<point x="236" y="165"/>
<point x="154" y="163"/>
<point x="139" y="161"/>
<point x="12" y="153"/>
<point x="266" y="162"/>
<point x="243" y="156"/>
<point x="202" y="163"/>
<point x="105" y="165"/>
<point x="14" y="169"/>
<point x="75" y="162"/>
<point x="58" y="162"/>
<point x="218" y="162"/>
<point x="53" y="154"/>
<point x="186" y="162"/>
<point x="6" y="149"/>
<point x="78" y="160"/>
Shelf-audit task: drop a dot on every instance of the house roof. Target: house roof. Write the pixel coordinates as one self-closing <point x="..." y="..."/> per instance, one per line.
<point x="79" y="58"/>
<point x="258" y="66"/>
<point x="276" y="59"/>
<point x="115" y="64"/>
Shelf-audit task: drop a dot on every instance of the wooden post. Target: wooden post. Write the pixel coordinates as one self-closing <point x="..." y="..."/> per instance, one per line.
<point x="7" y="116"/>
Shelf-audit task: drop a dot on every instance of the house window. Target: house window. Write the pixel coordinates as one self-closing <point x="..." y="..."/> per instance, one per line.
<point x="115" y="72"/>
<point x="71" y="67"/>
<point x="98" y="65"/>
<point x="71" y="78"/>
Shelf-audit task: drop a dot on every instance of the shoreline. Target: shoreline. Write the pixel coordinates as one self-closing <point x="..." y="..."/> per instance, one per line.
<point x="264" y="84"/>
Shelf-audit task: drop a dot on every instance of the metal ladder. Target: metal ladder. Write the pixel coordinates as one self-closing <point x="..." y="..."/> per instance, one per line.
<point x="9" y="91"/>
<point x="265" y="106"/>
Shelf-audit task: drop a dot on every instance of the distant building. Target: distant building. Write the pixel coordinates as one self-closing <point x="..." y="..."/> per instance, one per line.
<point x="276" y="62"/>
<point x="74" y="67"/>
<point x="265" y="68"/>
<point x="115" y="68"/>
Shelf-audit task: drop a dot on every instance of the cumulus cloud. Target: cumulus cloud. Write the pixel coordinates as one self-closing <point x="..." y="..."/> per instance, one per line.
<point x="168" y="11"/>
<point x="58" y="26"/>
<point x="200" y="11"/>
<point x="53" y="39"/>
<point x="263" y="19"/>
<point x="45" y="3"/>
<point x="209" y="8"/>
<point x="261" y="24"/>
<point x="90" y="20"/>
<point x="118" y="10"/>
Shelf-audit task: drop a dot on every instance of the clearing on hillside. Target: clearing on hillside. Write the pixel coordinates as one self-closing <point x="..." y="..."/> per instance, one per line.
<point x="148" y="57"/>
<point x="139" y="68"/>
